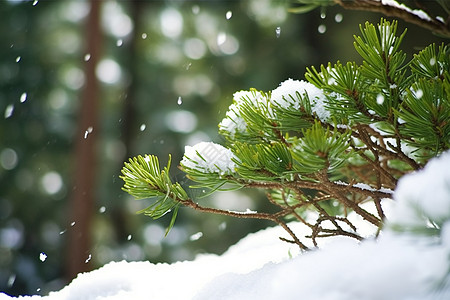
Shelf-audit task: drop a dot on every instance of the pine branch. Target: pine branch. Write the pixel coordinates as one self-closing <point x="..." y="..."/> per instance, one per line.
<point x="432" y="24"/>
<point x="338" y="139"/>
<point x="420" y="17"/>
<point x="339" y="193"/>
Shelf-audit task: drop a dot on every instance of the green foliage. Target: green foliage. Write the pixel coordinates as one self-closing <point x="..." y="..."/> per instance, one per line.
<point x="320" y="148"/>
<point x="309" y="5"/>
<point x="379" y="47"/>
<point x="253" y="108"/>
<point x="426" y="116"/>
<point x="144" y="179"/>
<point x="294" y="119"/>
<point x="262" y="162"/>
<point x="209" y="181"/>
<point x="431" y="64"/>
<point x="343" y="85"/>
<point x="385" y="88"/>
<point x="325" y="146"/>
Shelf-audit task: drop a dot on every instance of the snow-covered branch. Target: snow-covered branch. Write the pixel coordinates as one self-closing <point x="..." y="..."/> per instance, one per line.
<point x="322" y="148"/>
<point x="392" y="8"/>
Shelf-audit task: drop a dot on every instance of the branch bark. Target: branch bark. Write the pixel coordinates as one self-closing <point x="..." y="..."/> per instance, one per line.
<point x="432" y="24"/>
<point x="252" y="215"/>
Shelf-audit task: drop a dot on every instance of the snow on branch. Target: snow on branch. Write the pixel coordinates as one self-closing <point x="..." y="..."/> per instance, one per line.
<point x="392" y="8"/>
<point x="421" y="16"/>
<point x="334" y="145"/>
<point x="290" y="93"/>
<point x="208" y="157"/>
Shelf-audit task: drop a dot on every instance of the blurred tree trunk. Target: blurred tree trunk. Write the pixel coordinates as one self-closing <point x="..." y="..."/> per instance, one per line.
<point x="85" y="169"/>
<point x="119" y="213"/>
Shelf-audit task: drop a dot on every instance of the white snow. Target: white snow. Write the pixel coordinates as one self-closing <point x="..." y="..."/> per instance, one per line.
<point x="399" y="265"/>
<point x="365" y="186"/>
<point x="418" y="12"/>
<point x="9" y="111"/>
<point x="181" y="280"/>
<point x="233" y="122"/>
<point x="287" y="94"/>
<point x="23" y="97"/>
<point x="418" y="94"/>
<point x="278" y="31"/>
<point x="425" y="196"/>
<point x="391" y="268"/>
<point x="208" y="157"/>
<point x="88" y="131"/>
<point x="380" y="99"/>
<point x="42" y="256"/>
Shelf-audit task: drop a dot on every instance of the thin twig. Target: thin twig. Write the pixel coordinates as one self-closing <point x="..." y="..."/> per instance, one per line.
<point x="244" y="215"/>
<point x="330" y="187"/>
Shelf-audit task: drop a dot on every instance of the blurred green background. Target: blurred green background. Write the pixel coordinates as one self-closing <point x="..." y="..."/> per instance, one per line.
<point x="167" y="71"/>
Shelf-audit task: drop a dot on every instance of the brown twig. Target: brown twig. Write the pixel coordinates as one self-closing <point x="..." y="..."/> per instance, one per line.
<point x="276" y="217"/>
<point x="376" y="151"/>
<point x="330" y="187"/>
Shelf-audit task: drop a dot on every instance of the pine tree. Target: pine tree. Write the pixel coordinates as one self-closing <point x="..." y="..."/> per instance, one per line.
<point x="319" y="148"/>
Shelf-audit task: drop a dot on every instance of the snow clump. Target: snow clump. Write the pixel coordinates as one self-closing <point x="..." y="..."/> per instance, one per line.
<point x="288" y="95"/>
<point x="234" y="122"/>
<point x="418" y="12"/>
<point x="423" y="198"/>
<point x="209" y="157"/>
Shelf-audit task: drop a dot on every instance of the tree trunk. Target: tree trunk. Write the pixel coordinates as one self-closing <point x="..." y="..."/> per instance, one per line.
<point x="118" y="211"/>
<point x="83" y="194"/>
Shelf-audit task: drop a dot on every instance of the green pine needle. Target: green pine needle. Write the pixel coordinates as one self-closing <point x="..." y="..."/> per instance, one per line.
<point x="144" y="179"/>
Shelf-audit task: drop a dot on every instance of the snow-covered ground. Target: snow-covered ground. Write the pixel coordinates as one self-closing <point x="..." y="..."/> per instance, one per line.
<point x="410" y="260"/>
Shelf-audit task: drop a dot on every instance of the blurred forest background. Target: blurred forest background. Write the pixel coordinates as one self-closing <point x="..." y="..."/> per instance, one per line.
<point x="84" y="85"/>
